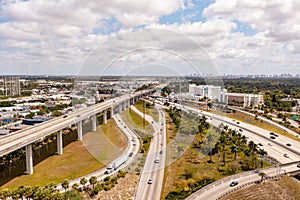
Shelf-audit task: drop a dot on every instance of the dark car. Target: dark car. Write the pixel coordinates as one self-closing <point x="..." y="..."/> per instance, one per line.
<point x="272" y="137"/>
<point x="238" y="122"/>
<point x="271" y="133"/>
<point x="131" y="154"/>
<point x="150" y="181"/>
<point x="241" y="130"/>
<point x="298" y="165"/>
<point x="285" y="155"/>
<point x="65" y="116"/>
<point x="260" y="144"/>
<point x="288" y="144"/>
<point x="234" y="183"/>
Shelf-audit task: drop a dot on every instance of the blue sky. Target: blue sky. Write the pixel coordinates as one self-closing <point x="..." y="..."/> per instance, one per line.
<point x="238" y="36"/>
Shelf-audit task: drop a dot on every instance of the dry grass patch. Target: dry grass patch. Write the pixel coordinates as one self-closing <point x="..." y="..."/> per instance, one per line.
<point x="76" y="161"/>
<point x="286" y="188"/>
<point x="78" y="158"/>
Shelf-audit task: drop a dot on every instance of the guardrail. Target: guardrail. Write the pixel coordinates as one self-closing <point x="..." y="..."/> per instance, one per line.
<point x="247" y="185"/>
<point x="221" y="181"/>
<point x="90" y="110"/>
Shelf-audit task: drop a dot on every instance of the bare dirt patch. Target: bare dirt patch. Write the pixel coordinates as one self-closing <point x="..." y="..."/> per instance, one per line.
<point x="125" y="189"/>
<point x="286" y="188"/>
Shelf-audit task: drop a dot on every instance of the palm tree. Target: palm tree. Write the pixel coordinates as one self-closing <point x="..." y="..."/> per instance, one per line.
<point x="262" y="175"/>
<point x="21" y="191"/>
<point x="262" y="152"/>
<point x="83" y="181"/>
<point x="75" y="186"/>
<point x="28" y="192"/>
<point x="223" y="140"/>
<point x="65" y="185"/>
<point x="218" y="147"/>
<point x="93" y="181"/>
<point x="5" y="193"/>
<point x="14" y="194"/>
<point x="234" y="150"/>
<point x="210" y="139"/>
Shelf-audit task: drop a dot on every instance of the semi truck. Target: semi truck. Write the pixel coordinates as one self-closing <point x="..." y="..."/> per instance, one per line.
<point x="115" y="164"/>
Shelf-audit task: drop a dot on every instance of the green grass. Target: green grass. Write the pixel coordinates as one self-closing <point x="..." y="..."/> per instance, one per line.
<point x="78" y="158"/>
<point x="140" y="106"/>
<point x="192" y="164"/>
<point x="74" y="162"/>
<point x="245" y="117"/>
<point x="154" y="114"/>
<point x="149" y="111"/>
<point x="135" y="122"/>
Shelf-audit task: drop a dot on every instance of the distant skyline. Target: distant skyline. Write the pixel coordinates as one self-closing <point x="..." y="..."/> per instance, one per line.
<point x="238" y="36"/>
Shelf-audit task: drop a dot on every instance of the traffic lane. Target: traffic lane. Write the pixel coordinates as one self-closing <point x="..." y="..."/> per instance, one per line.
<point x="273" y="150"/>
<point x="281" y="139"/>
<point x="224" y="187"/>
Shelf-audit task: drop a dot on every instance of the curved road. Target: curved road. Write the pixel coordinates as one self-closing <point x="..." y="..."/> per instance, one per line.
<point x="155" y="161"/>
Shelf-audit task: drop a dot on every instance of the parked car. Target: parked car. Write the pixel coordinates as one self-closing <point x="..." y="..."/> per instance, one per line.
<point x="285" y="155"/>
<point x="150" y="181"/>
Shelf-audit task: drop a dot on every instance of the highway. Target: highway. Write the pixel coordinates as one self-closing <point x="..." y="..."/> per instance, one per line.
<point x="132" y="147"/>
<point x="278" y="146"/>
<point x="275" y="147"/>
<point x="267" y="120"/>
<point x="12" y="142"/>
<point x="216" y="189"/>
<point x="155" y="162"/>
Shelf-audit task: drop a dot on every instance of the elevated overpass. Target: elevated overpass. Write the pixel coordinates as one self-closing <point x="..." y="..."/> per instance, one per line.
<point x="25" y="138"/>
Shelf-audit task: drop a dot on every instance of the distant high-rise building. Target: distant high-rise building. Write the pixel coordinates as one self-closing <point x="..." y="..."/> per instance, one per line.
<point x="10" y="86"/>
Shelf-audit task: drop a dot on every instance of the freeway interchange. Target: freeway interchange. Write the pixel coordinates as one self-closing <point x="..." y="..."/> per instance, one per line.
<point x="284" y="150"/>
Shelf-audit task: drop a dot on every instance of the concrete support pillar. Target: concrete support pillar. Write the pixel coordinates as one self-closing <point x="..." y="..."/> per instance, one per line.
<point x="105" y="117"/>
<point x="29" y="159"/>
<point x="59" y="143"/>
<point x="94" y="123"/>
<point x="111" y="112"/>
<point x="79" y="130"/>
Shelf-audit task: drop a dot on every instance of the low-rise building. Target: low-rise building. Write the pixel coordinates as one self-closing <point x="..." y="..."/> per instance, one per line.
<point x="243" y="100"/>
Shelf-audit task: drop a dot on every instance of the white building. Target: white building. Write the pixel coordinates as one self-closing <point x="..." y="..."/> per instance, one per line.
<point x="212" y="92"/>
<point x="216" y="93"/>
<point x="244" y="100"/>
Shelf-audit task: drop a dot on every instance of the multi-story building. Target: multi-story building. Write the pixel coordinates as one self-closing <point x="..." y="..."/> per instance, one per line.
<point x="215" y="93"/>
<point x="243" y="100"/>
<point x="10" y="86"/>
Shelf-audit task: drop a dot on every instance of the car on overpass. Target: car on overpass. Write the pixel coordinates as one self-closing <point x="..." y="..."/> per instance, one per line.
<point x="234" y="183"/>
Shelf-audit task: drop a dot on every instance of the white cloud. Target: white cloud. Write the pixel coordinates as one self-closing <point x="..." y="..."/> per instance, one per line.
<point x="280" y="19"/>
<point x="53" y="33"/>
